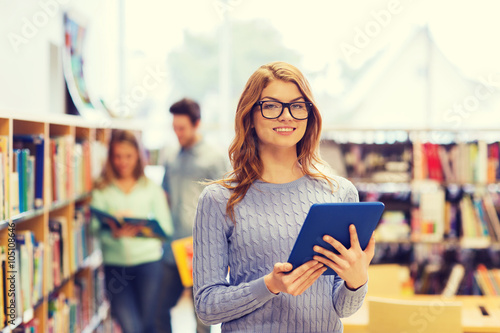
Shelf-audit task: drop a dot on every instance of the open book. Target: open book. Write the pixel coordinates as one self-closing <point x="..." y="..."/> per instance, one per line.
<point x="150" y="227"/>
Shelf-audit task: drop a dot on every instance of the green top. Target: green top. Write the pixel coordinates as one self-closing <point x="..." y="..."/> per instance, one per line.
<point x="146" y="199"/>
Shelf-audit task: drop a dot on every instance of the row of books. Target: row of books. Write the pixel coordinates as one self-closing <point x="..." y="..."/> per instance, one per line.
<point x="84" y="243"/>
<point x="73" y="313"/>
<point x="63" y="253"/>
<point x="32" y="326"/>
<point x="22" y="276"/>
<point x="472" y="162"/>
<point x="488" y="280"/>
<point x="58" y="252"/>
<point x="12" y="299"/>
<point x="61" y="310"/>
<point x="62" y="168"/>
<point x="82" y="167"/>
<point x="440" y="213"/>
<point x="378" y="163"/>
<point x="462" y="162"/>
<point x="73" y="167"/>
<point x="26" y="275"/>
<point x="31" y="254"/>
<point x="28" y="172"/>
<point x="449" y="269"/>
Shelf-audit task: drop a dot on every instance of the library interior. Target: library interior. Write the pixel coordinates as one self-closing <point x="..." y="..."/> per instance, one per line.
<point x="409" y="95"/>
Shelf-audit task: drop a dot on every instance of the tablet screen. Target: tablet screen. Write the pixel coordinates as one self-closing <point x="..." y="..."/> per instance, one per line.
<point x="334" y="219"/>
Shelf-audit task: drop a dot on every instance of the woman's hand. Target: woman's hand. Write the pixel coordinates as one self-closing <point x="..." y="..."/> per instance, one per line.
<point x="123" y="213"/>
<point x="351" y="264"/>
<point x="127" y="230"/>
<point x="296" y="282"/>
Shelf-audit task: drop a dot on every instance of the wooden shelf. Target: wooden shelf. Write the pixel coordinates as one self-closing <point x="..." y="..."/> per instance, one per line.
<point x="35" y="222"/>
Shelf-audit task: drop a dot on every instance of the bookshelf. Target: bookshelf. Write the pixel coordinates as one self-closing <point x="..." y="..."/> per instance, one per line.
<point x="51" y="264"/>
<point x="441" y="188"/>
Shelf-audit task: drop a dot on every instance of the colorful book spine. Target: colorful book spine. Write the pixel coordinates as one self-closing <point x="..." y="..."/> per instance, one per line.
<point x="4" y="149"/>
<point x="35" y="146"/>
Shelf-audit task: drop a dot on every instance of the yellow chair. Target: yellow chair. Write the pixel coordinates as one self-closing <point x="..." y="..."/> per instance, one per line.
<point x="386" y="280"/>
<point x="409" y="316"/>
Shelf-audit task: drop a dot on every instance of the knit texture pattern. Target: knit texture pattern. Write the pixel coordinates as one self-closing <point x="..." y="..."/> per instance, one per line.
<point x="268" y="221"/>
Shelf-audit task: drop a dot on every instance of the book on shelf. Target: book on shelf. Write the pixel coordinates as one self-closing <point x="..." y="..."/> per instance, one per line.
<point x="21" y="168"/>
<point x="428" y="216"/>
<point x="89" y="242"/>
<point x="4" y="287"/>
<point x="98" y="157"/>
<point x="83" y="293"/>
<point x="474" y="232"/>
<point x="99" y="289"/>
<point x="183" y="254"/>
<point x="33" y="326"/>
<point x="14" y="192"/>
<point x="434" y="168"/>
<point x="13" y="300"/>
<point x="393" y="226"/>
<point x="149" y="227"/>
<point x="493" y="163"/>
<point x="491" y="217"/>
<point x="61" y="154"/>
<point x="31" y="268"/>
<point x="83" y="244"/>
<point x="454" y="280"/>
<point x="474" y="162"/>
<point x="82" y="167"/>
<point x="486" y="281"/>
<point x="5" y="177"/>
<point x="58" y="235"/>
<point x="35" y="146"/>
<point x="59" y="314"/>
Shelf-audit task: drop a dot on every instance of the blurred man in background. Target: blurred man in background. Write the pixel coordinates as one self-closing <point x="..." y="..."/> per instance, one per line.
<point x="196" y="161"/>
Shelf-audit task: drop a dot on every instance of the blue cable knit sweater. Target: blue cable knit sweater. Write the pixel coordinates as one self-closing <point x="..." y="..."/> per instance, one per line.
<point x="268" y="221"/>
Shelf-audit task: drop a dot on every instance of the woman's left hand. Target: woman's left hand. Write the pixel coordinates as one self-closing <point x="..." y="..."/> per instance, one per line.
<point x="351" y="264"/>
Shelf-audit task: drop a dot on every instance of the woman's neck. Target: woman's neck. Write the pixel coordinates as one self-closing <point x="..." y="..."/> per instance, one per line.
<point x="280" y="166"/>
<point x="125" y="183"/>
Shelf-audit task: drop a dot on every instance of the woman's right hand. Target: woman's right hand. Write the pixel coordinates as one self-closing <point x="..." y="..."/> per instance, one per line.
<point x="126" y="230"/>
<point x="296" y="282"/>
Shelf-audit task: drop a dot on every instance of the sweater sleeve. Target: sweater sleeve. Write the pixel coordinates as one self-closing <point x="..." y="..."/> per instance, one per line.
<point x="345" y="301"/>
<point x="350" y="191"/>
<point x="215" y="299"/>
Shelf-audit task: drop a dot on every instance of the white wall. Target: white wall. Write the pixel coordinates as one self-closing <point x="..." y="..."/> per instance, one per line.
<point x="30" y="30"/>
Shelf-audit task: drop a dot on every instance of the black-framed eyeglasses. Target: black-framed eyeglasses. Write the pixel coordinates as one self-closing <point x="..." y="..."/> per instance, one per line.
<point x="274" y="109"/>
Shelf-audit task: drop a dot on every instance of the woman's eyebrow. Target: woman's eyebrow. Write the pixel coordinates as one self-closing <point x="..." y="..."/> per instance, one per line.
<point x="293" y="100"/>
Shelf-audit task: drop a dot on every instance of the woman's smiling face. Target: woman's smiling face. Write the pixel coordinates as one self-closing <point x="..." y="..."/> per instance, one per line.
<point x="284" y="131"/>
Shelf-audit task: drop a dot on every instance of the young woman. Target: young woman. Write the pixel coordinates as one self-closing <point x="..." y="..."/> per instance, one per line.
<point x="248" y="223"/>
<point x="131" y="264"/>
